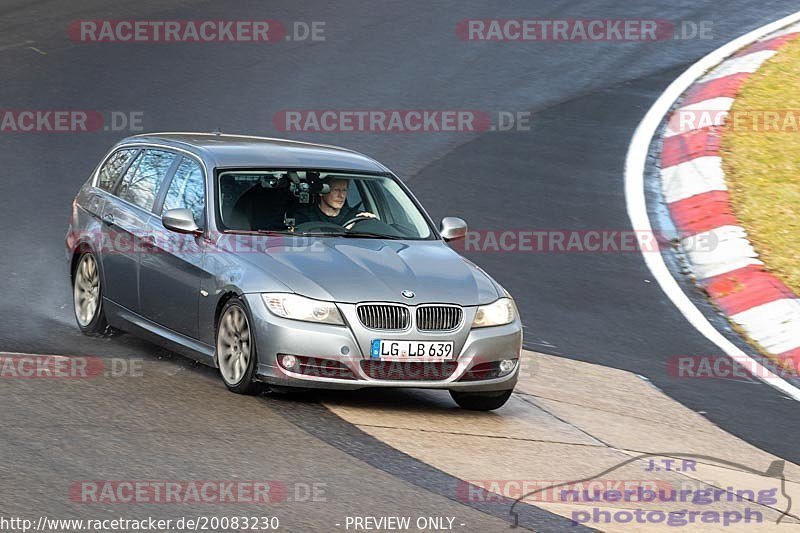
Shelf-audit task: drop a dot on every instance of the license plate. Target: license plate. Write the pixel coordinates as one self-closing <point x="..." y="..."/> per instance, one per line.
<point x="411" y="350"/>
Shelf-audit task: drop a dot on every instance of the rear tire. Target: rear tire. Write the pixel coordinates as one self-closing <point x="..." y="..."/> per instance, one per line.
<point x="481" y="401"/>
<point x="236" y="350"/>
<point x="87" y="296"/>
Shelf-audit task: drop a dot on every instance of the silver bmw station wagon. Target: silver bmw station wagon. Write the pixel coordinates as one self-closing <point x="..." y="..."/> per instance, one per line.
<point x="289" y="264"/>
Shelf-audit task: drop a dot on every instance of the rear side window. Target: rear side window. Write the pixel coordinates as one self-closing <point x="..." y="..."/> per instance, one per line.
<point x="113" y="168"/>
<point x="188" y="190"/>
<point x="144" y="178"/>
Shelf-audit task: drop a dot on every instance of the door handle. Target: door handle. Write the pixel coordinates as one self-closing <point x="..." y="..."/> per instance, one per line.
<point x="108" y="218"/>
<point x="148" y="241"/>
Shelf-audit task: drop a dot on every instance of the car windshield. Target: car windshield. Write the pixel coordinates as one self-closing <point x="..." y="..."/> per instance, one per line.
<point x="309" y="202"/>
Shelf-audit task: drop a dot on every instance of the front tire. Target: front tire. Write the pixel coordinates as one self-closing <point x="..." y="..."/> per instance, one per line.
<point x="481" y="401"/>
<point x="236" y="351"/>
<point x="87" y="296"/>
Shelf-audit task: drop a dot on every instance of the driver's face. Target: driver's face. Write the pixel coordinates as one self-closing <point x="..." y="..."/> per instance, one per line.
<point x="336" y="198"/>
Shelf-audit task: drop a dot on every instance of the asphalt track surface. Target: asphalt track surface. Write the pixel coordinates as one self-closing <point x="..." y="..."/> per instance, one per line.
<point x="176" y="421"/>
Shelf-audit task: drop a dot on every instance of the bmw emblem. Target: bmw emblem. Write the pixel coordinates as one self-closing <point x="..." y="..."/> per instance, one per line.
<point x="407" y="294"/>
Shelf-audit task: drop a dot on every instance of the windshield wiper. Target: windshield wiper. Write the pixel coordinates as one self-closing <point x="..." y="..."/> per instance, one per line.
<point x="369" y="235"/>
<point x="256" y="232"/>
<point x="317" y="234"/>
<point x="297" y="233"/>
<point x="274" y="232"/>
<point x="351" y="234"/>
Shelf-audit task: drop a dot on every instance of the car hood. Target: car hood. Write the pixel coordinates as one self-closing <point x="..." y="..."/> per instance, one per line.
<point x="359" y="270"/>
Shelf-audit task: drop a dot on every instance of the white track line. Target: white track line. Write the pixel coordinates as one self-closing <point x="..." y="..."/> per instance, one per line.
<point x="635" y="163"/>
<point x="15" y="45"/>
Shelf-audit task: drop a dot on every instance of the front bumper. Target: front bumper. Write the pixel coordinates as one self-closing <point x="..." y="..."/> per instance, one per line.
<point x="275" y="335"/>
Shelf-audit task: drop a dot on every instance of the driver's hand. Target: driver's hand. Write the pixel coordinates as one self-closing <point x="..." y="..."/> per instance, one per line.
<point x="366" y="214"/>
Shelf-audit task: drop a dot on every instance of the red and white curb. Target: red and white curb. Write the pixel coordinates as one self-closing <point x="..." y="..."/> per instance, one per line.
<point x="695" y="171"/>
<point x="693" y="184"/>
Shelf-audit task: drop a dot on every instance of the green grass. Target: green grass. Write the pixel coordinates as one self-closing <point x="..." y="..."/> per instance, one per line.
<point x="762" y="167"/>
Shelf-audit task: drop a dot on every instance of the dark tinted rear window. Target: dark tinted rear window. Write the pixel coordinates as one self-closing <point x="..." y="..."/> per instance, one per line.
<point x="113" y="168"/>
<point x="144" y="178"/>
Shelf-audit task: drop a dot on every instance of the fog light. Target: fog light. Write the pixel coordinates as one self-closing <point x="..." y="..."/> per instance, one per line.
<point x="506" y="366"/>
<point x="289" y="362"/>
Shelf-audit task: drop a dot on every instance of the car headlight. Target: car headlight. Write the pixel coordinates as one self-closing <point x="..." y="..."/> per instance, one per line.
<point x="498" y="313"/>
<point x="298" y="307"/>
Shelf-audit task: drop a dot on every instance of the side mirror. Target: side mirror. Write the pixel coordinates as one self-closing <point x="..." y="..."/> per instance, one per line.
<point x="452" y="228"/>
<point x="180" y="221"/>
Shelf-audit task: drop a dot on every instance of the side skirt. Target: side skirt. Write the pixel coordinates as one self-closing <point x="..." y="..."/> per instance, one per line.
<point x="126" y="320"/>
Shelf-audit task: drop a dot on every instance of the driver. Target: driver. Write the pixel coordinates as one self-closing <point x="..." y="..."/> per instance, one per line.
<point x="331" y="206"/>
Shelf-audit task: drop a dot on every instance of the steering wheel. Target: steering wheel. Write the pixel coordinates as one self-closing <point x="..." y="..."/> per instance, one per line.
<point x="354" y="220"/>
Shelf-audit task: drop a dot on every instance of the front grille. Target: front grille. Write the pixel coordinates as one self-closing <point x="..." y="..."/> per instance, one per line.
<point x="409" y="371"/>
<point x="384" y="316"/>
<point x="438" y="317"/>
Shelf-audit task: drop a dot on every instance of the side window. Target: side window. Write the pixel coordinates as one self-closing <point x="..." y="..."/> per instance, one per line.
<point x="113" y="168"/>
<point x="354" y="195"/>
<point x="188" y="190"/>
<point x="391" y="209"/>
<point x="140" y="184"/>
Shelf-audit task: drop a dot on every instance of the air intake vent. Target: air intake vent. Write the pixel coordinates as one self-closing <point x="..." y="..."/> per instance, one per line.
<point x="382" y="316"/>
<point x="408" y="371"/>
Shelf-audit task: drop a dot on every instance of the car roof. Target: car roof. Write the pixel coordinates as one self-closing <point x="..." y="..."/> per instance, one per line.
<point x="227" y="151"/>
